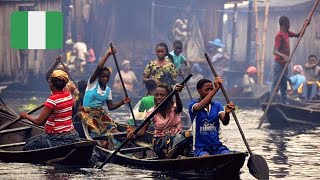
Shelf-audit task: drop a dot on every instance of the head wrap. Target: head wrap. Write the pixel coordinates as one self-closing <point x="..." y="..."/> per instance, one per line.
<point x="298" y="68"/>
<point x="124" y="62"/>
<point x="251" y="70"/>
<point x="60" y="75"/>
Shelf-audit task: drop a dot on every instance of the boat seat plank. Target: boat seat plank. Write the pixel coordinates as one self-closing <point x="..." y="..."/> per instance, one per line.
<point x="13" y="130"/>
<point x="12" y="145"/>
<point x="133" y="149"/>
<point x="115" y="135"/>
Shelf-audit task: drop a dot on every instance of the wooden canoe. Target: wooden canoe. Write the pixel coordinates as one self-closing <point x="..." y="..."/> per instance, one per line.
<point x="216" y="165"/>
<point x="13" y="139"/>
<point x="280" y="115"/>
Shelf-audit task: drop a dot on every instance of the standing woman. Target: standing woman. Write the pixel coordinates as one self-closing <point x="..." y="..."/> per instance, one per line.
<point x="167" y="122"/>
<point x="161" y="69"/>
<point x="56" y="116"/>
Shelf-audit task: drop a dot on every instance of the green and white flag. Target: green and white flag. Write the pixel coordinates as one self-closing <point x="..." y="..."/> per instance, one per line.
<point x="36" y="30"/>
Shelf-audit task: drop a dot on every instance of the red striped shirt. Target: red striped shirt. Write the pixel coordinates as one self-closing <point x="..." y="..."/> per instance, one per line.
<point x="61" y="119"/>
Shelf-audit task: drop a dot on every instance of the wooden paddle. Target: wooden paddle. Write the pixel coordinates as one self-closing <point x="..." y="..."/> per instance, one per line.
<point x="122" y="83"/>
<point x="257" y="165"/>
<point x="274" y="91"/>
<point x="2" y="127"/>
<point x="142" y="124"/>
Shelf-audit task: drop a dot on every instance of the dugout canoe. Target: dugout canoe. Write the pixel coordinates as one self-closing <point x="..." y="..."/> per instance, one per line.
<point x="14" y="138"/>
<point x="284" y="115"/>
<point x="216" y="165"/>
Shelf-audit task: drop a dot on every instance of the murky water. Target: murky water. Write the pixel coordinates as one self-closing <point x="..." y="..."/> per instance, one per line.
<point x="291" y="153"/>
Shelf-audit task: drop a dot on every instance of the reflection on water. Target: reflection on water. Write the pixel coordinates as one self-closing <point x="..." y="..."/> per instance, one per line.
<point x="291" y="153"/>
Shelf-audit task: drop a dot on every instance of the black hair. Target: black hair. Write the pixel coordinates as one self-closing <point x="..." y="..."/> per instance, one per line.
<point x="177" y="43"/>
<point x="82" y="85"/>
<point x="201" y="82"/>
<point x="283" y="20"/>
<point x="162" y="44"/>
<point x="104" y="69"/>
<point x="312" y="55"/>
<point x="151" y="85"/>
<point x="58" y="83"/>
<point x="169" y="90"/>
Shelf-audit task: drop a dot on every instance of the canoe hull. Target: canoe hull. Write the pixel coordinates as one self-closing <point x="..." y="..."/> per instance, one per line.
<point x="73" y="154"/>
<point x="289" y="115"/>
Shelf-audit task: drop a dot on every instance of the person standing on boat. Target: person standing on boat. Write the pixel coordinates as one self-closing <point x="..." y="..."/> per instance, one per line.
<point x="167" y="123"/>
<point x="205" y="115"/>
<point x="97" y="92"/>
<point x="281" y="52"/>
<point x="56" y="116"/>
<point x="161" y="69"/>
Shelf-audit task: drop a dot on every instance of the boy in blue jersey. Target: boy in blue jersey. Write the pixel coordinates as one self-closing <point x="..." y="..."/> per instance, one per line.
<point x="205" y="115"/>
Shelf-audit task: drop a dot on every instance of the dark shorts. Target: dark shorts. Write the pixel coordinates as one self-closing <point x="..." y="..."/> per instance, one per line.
<point x="50" y="140"/>
<point x="218" y="149"/>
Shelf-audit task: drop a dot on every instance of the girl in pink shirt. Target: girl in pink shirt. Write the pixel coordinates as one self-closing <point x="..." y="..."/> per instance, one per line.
<point x="167" y="122"/>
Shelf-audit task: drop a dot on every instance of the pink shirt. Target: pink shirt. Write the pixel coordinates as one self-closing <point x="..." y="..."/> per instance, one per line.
<point x="171" y="125"/>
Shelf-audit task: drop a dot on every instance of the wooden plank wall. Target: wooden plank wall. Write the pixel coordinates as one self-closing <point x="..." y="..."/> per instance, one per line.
<point x="8" y="57"/>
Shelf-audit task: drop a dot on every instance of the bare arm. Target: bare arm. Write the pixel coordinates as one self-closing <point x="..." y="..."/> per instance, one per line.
<point x="51" y="68"/>
<point x="100" y="65"/>
<point x="142" y="131"/>
<point x="207" y="100"/>
<point x="225" y="116"/>
<point x="41" y="119"/>
<point x="113" y="106"/>
<point x="308" y="66"/>
<point x="277" y="53"/>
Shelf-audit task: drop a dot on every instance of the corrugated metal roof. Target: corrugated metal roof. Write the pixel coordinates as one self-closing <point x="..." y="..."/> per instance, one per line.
<point x="282" y="3"/>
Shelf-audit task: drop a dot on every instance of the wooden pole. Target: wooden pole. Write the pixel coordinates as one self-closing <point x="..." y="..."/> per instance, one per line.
<point x="249" y="32"/>
<point x="233" y="38"/>
<point x="263" y="54"/>
<point x="152" y="20"/>
<point x="255" y="6"/>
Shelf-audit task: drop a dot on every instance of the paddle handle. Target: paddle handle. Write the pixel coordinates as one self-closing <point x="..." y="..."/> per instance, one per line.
<point x="19" y="118"/>
<point x="122" y="83"/>
<point x="274" y="91"/>
<point x="142" y="124"/>
<point x="228" y="101"/>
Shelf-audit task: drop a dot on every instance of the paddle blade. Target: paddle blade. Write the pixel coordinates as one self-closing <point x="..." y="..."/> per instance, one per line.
<point x="258" y="167"/>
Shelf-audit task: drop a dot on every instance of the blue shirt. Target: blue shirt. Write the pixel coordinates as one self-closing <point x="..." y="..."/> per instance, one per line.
<point x="95" y="96"/>
<point x="178" y="60"/>
<point x="297" y="80"/>
<point x="205" y="125"/>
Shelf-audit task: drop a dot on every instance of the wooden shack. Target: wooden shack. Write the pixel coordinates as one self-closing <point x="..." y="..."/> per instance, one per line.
<point x="134" y="26"/>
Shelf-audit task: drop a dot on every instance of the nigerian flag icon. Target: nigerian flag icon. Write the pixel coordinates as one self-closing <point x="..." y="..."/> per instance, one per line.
<point x="36" y="30"/>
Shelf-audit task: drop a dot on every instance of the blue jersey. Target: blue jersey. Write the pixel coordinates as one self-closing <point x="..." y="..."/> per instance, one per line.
<point x="95" y="96"/>
<point x="205" y="125"/>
